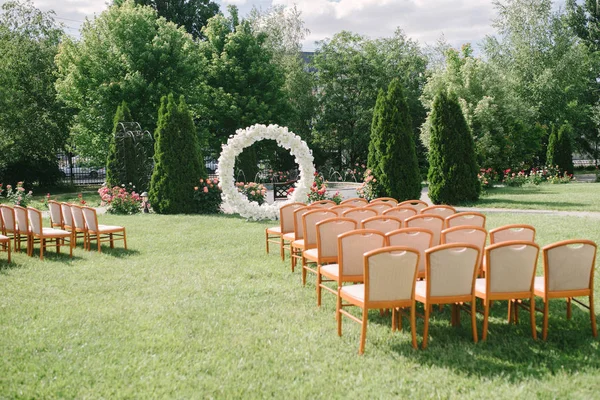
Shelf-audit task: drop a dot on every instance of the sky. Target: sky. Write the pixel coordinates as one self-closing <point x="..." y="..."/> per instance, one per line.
<point x="458" y="21"/>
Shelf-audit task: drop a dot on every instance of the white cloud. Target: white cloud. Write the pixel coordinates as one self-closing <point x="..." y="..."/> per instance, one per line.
<point x="234" y="2"/>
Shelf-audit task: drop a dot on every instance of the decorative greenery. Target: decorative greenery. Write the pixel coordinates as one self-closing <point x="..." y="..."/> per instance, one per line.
<point x="487" y="178"/>
<point x="121" y="155"/>
<point x="560" y="151"/>
<point x="207" y="196"/>
<point x="517" y="179"/>
<point x="392" y="156"/>
<point x="368" y="189"/>
<point x="318" y="191"/>
<point x="119" y="200"/>
<point x="253" y="191"/>
<point x="452" y="167"/>
<point x="177" y="159"/>
<point x="18" y="196"/>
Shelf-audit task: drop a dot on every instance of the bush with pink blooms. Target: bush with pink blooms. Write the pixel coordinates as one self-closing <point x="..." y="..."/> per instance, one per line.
<point x="120" y="200"/>
<point x="253" y="191"/>
<point x="368" y="189"/>
<point x="18" y="196"/>
<point x="207" y="196"/>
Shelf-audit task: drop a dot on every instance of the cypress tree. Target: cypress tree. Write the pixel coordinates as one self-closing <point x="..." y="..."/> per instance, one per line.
<point x="560" y="151"/>
<point x="119" y="152"/>
<point x="392" y="154"/>
<point x="178" y="159"/>
<point x="452" y="167"/>
<point x="551" y="151"/>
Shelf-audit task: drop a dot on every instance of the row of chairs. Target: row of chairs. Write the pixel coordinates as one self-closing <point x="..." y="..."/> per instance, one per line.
<point x="67" y="222"/>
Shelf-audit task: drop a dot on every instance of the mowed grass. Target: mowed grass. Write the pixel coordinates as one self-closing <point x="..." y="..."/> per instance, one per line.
<point x="566" y="197"/>
<point x="196" y="309"/>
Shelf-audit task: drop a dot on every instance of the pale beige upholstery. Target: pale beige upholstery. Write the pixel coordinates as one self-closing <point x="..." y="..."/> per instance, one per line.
<point x="46" y="236"/>
<point x="327" y="234"/>
<point x="401" y="212"/>
<point x="451" y="271"/>
<point x="442" y="211"/>
<point x="353" y="246"/>
<point x="419" y="239"/>
<point x="323" y="204"/>
<point x="512" y="232"/>
<point x="276" y="234"/>
<point x="434" y="223"/>
<point x="56" y="217"/>
<point x="67" y="215"/>
<point x="309" y="225"/>
<point x="356" y="202"/>
<point x="297" y="242"/>
<point x="391" y="275"/>
<point x="9" y="224"/>
<point x="382" y="223"/>
<point x="466" y="234"/>
<point x="101" y="233"/>
<point x="339" y="210"/>
<point x="416" y="204"/>
<point x="359" y="214"/>
<point x="380" y="206"/>
<point x="22" y="231"/>
<point x="389" y="200"/>
<point x="466" y="218"/>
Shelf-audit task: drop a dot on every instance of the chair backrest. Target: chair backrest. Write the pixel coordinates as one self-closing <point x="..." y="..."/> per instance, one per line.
<point x="433" y="222"/>
<point x="22" y="219"/>
<point x="569" y="265"/>
<point x="400" y="212"/>
<point x="419" y="239"/>
<point x="390" y="273"/>
<point x="416" y="204"/>
<point x="67" y="214"/>
<point x="327" y="236"/>
<point x="512" y="232"/>
<point x="78" y="218"/>
<point x="298" y="213"/>
<point x="451" y="269"/>
<point x="359" y="214"/>
<point x="382" y="223"/>
<point x="441" y="210"/>
<point x="379" y="206"/>
<point x="465" y="234"/>
<point x="511" y="266"/>
<point x="323" y="204"/>
<point x="89" y="215"/>
<point x="286" y="216"/>
<point x="352" y="246"/>
<point x="470" y="218"/>
<point x="35" y="220"/>
<point x="8" y="217"/>
<point x="390" y="200"/>
<point x="339" y="210"/>
<point x="56" y="215"/>
<point x="309" y="225"/>
<point x="356" y="202"/>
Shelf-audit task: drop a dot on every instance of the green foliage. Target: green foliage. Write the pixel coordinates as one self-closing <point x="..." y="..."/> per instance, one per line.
<point x="207" y="196"/>
<point x="121" y="153"/>
<point x="253" y="191"/>
<point x="33" y="122"/>
<point x="18" y="195"/>
<point x="126" y="54"/>
<point x="392" y="156"/>
<point x="452" y="166"/>
<point x="177" y="156"/>
<point x="560" y="152"/>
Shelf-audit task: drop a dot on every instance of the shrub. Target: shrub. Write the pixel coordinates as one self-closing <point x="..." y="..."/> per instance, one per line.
<point x="119" y="200"/>
<point x="121" y="155"/>
<point x="318" y="190"/>
<point x="452" y="167"/>
<point x="207" y="196"/>
<point x="253" y="191"/>
<point x="487" y="178"/>
<point x="560" y="150"/>
<point x="368" y="189"/>
<point x="564" y="178"/>
<point x="517" y="179"/>
<point x="18" y="196"/>
<point x="177" y="159"/>
<point x="392" y="155"/>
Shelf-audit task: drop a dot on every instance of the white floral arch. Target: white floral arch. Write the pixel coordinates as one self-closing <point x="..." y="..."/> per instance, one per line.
<point x="245" y="138"/>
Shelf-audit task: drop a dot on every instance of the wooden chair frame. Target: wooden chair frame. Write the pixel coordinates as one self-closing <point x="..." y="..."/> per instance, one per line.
<point x="9" y="231"/>
<point x="416" y="204"/>
<point x="296" y="241"/>
<point x="356" y="201"/>
<point x="436" y="233"/>
<point x="323" y="203"/>
<point x="6" y="245"/>
<point x="23" y="230"/>
<point x="380" y="206"/>
<point x="308" y="229"/>
<point x="45" y="236"/>
<point x="385" y="200"/>
<point x="420" y="274"/>
<point x="401" y="209"/>
<point x="384" y="218"/>
<point x="101" y="233"/>
<point x="56" y="212"/>
<point x="492" y="233"/>
<point x="360" y="209"/>
<point x="462" y="215"/>
<point x="442" y="210"/>
<point x="275" y="234"/>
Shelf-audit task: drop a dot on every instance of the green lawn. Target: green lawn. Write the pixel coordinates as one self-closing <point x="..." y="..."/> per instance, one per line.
<point x="569" y="197"/>
<point x="196" y="309"/>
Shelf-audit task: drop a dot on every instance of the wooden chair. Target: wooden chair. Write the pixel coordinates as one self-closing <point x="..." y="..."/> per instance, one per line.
<point x="5" y="245"/>
<point x="9" y="224"/>
<point x="286" y="225"/>
<point x="416" y="204"/>
<point x="419" y="239"/>
<point x="450" y="272"/>
<point x="467" y="234"/>
<point x="327" y="245"/>
<point x="512" y="232"/>
<point x="380" y="206"/>
<point x="382" y="223"/>
<point x="568" y="273"/>
<point x="441" y="210"/>
<point x="23" y="231"/>
<point x="359" y="214"/>
<point x="56" y="215"/>
<point x="465" y="218"/>
<point x="349" y="268"/>
<point x="389" y="283"/>
<point x="101" y="233"/>
<point x="296" y="239"/>
<point x="309" y="227"/>
<point x="79" y="227"/>
<point x="510" y="273"/>
<point x="434" y="223"/>
<point x="46" y="236"/>
<point x="401" y="212"/>
<point x="390" y="200"/>
<point x="67" y="216"/>
<point x="356" y="202"/>
<point x="323" y="203"/>
<point x="339" y="210"/>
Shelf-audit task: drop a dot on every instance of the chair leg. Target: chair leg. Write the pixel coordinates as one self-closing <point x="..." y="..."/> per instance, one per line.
<point x="569" y="311"/>
<point x="338" y="314"/>
<point x="473" y="319"/>
<point x="303" y="271"/>
<point x="363" y="331"/>
<point x="267" y="240"/>
<point x="112" y="240"/>
<point x="124" y="239"/>
<point x="319" y="281"/>
<point x="510" y="312"/>
<point x="532" y="317"/>
<point x="516" y="311"/>
<point x="545" y="325"/>
<point x="592" y="313"/>
<point x="9" y="261"/>
<point x="426" y="326"/>
<point x="98" y="241"/>
<point x="394" y="319"/>
<point x="398" y="320"/>
<point x="42" y="248"/>
<point x="281" y="253"/>
<point x="486" y="314"/>
<point x="413" y="324"/>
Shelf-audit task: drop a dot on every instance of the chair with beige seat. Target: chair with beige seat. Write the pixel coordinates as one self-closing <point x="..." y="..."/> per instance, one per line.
<point x="441" y="210"/>
<point x="389" y="275"/>
<point x="393" y="202"/>
<point x="309" y="229"/>
<point x="286" y="225"/>
<point x="401" y="212"/>
<point x="470" y="218"/>
<point x="79" y="226"/>
<point x="512" y="232"/>
<point x="9" y="224"/>
<point x="382" y="223"/>
<point x="102" y="233"/>
<point x="380" y="206"/>
<point x="359" y="214"/>
<point x="5" y="241"/>
<point x="47" y="236"/>
<point x="23" y="231"/>
<point x="56" y="215"/>
<point x="323" y="203"/>
<point x="296" y="239"/>
<point x="435" y="223"/>
<point x="339" y="210"/>
<point x="356" y="202"/>
<point x="466" y="234"/>
<point x="419" y="239"/>
<point x="510" y="276"/>
<point x="568" y="273"/>
<point x="416" y="204"/>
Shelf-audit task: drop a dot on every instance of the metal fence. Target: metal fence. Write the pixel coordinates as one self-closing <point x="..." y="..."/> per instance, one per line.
<point x="76" y="171"/>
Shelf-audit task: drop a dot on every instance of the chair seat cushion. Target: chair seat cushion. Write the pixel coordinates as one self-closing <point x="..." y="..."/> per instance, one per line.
<point x="421" y="288"/>
<point x="4" y="238"/>
<point x="275" y="230"/>
<point x="290" y="237"/>
<point x="298" y="243"/>
<point x="539" y="284"/>
<point x="109" y="228"/>
<point x="311" y="254"/>
<point x="51" y="232"/>
<point x="355" y="291"/>
<point x="330" y="270"/>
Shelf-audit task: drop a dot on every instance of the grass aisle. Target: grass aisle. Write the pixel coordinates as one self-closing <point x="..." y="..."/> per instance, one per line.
<point x="196" y="309"/>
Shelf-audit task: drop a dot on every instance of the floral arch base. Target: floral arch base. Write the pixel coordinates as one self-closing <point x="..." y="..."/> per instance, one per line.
<point x="245" y="138"/>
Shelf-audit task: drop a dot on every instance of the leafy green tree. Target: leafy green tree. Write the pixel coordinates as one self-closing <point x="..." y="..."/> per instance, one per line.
<point x="121" y="154"/>
<point x="452" y="166"/>
<point x="392" y="156"/>
<point x="191" y="14"/>
<point x="33" y="122"/>
<point x="126" y="54"/>
<point x="178" y="159"/>
<point x="560" y="149"/>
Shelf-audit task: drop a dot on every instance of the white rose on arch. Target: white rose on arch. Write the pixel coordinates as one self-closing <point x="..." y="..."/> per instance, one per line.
<point x="245" y="138"/>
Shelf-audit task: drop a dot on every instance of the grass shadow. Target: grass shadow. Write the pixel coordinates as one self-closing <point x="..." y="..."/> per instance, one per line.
<point x="118" y="252"/>
<point x="6" y="266"/>
<point x="548" y="205"/>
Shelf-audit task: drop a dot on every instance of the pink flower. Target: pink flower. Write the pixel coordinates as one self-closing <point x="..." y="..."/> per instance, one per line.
<point x="205" y="190"/>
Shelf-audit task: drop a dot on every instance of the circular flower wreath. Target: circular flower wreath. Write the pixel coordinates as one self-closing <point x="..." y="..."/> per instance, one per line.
<point x="245" y="138"/>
